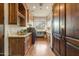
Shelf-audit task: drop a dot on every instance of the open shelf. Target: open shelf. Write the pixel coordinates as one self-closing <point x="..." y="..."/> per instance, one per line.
<point x="21" y="9"/>
<point x="20" y="15"/>
<point x="22" y="21"/>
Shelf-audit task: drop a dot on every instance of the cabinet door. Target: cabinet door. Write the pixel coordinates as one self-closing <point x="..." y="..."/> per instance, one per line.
<point x="13" y="47"/>
<point x="72" y="29"/>
<point x="56" y="40"/>
<point x="12" y="13"/>
<point x="62" y="28"/>
<point x="1" y="44"/>
<point x="72" y="50"/>
<point x="21" y="47"/>
<point x="1" y="13"/>
<point x="22" y="22"/>
<point x="28" y="43"/>
<point x="57" y="45"/>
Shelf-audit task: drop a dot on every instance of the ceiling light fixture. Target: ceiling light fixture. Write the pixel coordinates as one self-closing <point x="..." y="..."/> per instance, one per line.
<point x="34" y="7"/>
<point x="47" y="7"/>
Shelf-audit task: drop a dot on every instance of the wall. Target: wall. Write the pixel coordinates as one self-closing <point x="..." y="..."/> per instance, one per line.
<point x="38" y="20"/>
<point x="49" y="31"/>
<point x="6" y="28"/>
<point x="1" y="28"/>
<point x="49" y="24"/>
<point x="12" y="29"/>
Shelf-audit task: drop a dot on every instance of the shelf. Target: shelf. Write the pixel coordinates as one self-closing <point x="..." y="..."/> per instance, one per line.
<point x="21" y="9"/>
<point x="20" y="15"/>
<point x="22" y="21"/>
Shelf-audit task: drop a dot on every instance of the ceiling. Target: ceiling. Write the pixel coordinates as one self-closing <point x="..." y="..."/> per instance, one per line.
<point x="40" y="9"/>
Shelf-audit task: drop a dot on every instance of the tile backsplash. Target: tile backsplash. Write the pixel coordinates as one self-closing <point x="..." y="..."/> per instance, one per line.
<point x="1" y="28"/>
<point x="12" y="29"/>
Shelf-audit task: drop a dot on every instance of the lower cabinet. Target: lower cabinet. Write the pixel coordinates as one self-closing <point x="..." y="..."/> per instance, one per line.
<point x="19" y="46"/>
<point x="1" y="45"/>
<point x="72" y="46"/>
<point x="72" y="50"/>
<point x="56" y="46"/>
<point x="28" y="44"/>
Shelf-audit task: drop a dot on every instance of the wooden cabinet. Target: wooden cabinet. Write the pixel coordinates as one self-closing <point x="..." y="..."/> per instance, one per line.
<point x="1" y="13"/>
<point x="72" y="46"/>
<point x="56" y="39"/>
<point x="72" y="50"/>
<point x="28" y="43"/>
<point x="1" y="29"/>
<point x="22" y="14"/>
<point x="12" y="13"/>
<point x="72" y="29"/>
<point x="17" y="12"/>
<point x="22" y="21"/>
<point x="16" y="46"/>
<point x="1" y="44"/>
<point x="57" y="44"/>
<point x="62" y="28"/>
<point x="21" y="9"/>
<point x="13" y="43"/>
<point x="19" y="46"/>
<point x="66" y="29"/>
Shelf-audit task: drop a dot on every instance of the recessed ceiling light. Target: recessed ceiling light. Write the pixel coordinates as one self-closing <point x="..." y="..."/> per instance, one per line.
<point x="47" y="7"/>
<point x="34" y="7"/>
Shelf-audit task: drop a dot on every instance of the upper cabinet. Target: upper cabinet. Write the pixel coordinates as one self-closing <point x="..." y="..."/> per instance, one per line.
<point x="27" y="15"/>
<point x="17" y="14"/>
<point x="22" y="9"/>
<point x="1" y="13"/>
<point x="72" y="22"/>
<point x="12" y="13"/>
<point x="30" y="16"/>
<point x="56" y="18"/>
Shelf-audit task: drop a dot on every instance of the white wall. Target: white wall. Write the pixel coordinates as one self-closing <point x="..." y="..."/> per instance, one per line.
<point x="49" y="31"/>
<point x="37" y="20"/>
<point x="6" y="28"/>
<point x="49" y="24"/>
<point x="12" y="29"/>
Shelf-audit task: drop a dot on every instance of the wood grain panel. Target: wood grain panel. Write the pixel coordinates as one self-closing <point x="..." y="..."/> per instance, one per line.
<point x="1" y="13"/>
<point x="12" y="13"/>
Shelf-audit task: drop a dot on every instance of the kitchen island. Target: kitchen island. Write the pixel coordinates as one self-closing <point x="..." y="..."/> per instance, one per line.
<point x="19" y="44"/>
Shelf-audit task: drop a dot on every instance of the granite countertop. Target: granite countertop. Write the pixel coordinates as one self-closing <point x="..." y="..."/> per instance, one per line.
<point x="17" y="35"/>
